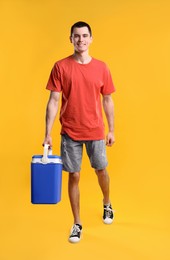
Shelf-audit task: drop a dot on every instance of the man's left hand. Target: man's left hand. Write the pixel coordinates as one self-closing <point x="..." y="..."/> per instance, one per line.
<point x="110" y="139"/>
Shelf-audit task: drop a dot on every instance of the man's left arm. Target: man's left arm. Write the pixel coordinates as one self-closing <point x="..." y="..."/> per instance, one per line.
<point x="108" y="106"/>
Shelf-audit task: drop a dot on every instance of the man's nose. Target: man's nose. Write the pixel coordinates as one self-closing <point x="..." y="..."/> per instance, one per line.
<point x="80" y="38"/>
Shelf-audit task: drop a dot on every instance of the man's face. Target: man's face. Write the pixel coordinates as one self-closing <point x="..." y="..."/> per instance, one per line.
<point x="81" y="39"/>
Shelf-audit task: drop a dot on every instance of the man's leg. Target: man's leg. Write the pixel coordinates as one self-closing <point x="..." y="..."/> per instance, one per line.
<point x="104" y="180"/>
<point x="71" y="152"/>
<point x="96" y="151"/>
<point x="74" y="195"/>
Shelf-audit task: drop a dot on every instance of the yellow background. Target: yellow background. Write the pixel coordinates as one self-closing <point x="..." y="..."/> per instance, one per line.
<point x="133" y="38"/>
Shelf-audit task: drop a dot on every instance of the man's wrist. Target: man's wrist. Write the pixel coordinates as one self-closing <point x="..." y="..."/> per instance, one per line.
<point x="47" y="135"/>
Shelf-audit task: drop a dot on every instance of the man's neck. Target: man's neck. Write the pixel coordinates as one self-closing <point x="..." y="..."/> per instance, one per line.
<point x="82" y="58"/>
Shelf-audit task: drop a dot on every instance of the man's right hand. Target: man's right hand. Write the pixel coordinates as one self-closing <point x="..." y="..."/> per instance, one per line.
<point x="48" y="140"/>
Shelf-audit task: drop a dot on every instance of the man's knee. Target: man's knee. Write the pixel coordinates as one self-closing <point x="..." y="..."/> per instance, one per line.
<point x="74" y="177"/>
<point x="101" y="172"/>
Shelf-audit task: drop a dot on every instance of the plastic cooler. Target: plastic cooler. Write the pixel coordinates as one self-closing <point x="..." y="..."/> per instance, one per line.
<point x="46" y="178"/>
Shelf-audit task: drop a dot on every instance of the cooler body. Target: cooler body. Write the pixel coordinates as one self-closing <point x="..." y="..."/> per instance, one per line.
<point x="46" y="180"/>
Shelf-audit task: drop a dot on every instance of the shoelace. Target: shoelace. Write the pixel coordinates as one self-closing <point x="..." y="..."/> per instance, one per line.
<point x="75" y="230"/>
<point x="108" y="212"/>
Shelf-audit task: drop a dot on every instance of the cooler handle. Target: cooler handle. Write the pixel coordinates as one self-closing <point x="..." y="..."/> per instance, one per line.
<point x="46" y="153"/>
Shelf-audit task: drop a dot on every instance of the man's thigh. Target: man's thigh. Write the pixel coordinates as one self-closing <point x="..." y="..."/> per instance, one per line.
<point x="96" y="151"/>
<point x="71" y="153"/>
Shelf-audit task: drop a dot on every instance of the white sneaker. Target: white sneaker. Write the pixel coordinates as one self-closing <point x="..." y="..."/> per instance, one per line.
<point x="108" y="215"/>
<point x="75" y="234"/>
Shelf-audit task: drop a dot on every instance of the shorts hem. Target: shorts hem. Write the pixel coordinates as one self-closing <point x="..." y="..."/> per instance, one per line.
<point x="99" y="168"/>
<point x="68" y="170"/>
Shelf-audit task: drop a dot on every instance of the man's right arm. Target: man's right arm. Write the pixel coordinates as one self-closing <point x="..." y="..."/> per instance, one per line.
<point x="51" y="112"/>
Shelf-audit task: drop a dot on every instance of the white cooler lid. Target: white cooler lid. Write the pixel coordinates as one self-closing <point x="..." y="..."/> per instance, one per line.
<point x="51" y="159"/>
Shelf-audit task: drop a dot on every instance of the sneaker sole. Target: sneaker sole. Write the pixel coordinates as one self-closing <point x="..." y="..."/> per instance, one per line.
<point x="74" y="240"/>
<point x="108" y="221"/>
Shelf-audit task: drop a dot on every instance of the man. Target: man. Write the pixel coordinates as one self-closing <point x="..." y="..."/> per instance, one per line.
<point x="82" y="80"/>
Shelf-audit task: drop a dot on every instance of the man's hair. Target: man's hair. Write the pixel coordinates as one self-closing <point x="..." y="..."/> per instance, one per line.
<point x="79" y="25"/>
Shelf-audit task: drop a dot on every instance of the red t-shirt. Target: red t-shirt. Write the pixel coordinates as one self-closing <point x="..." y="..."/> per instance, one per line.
<point x="81" y="86"/>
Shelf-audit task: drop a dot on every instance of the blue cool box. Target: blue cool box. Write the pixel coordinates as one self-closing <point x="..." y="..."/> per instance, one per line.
<point x="46" y="180"/>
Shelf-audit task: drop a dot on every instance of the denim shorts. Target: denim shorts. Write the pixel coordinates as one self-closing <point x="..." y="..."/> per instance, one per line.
<point x="72" y="151"/>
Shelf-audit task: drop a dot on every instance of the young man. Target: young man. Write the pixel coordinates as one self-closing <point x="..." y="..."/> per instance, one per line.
<point x="82" y="80"/>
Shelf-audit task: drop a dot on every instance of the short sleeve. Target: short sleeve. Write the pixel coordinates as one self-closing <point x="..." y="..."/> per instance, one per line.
<point x="108" y="85"/>
<point x="54" y="82"/>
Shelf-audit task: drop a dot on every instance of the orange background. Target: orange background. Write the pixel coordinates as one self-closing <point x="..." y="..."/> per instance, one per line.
<point x="133" y="38"/>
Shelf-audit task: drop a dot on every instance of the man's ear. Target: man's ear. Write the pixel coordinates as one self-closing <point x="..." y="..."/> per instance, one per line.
<point x="70" y="39"/>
